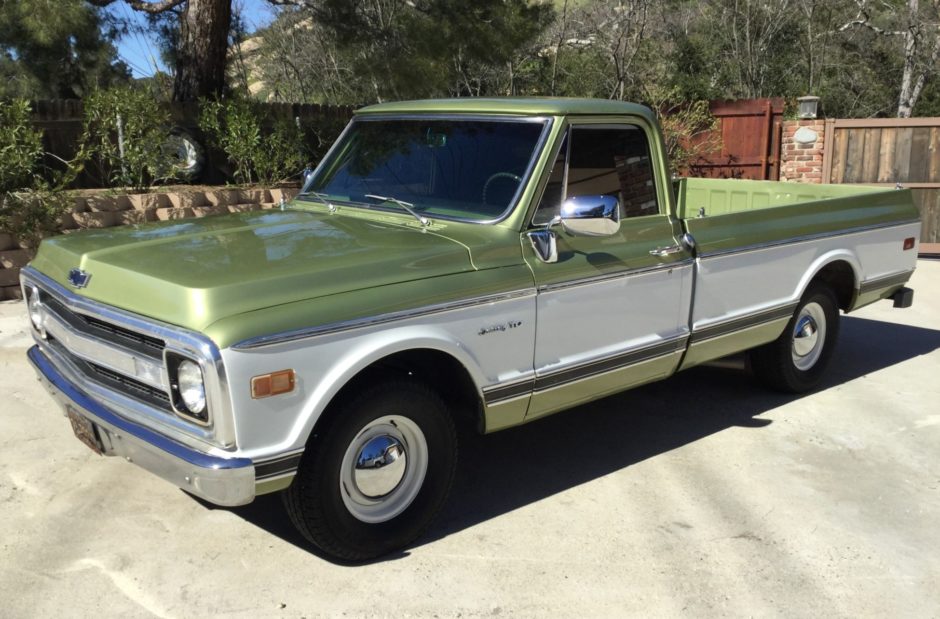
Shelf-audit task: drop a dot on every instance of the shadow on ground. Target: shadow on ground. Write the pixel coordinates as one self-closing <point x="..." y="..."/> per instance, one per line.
<point x="502" y="472"/>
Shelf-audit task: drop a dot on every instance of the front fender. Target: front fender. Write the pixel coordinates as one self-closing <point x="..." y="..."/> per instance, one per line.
<point x="493" y="342"/>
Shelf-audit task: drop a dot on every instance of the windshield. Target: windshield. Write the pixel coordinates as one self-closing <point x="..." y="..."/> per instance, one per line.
<point x="453" y="168"/>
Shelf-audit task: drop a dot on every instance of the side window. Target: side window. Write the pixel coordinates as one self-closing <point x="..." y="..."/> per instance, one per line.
<point x="613" y="161"/>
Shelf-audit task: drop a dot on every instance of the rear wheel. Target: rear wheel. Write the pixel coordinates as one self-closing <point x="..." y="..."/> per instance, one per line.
<point x="376" y="472"/>
<point x="796" y="361"/>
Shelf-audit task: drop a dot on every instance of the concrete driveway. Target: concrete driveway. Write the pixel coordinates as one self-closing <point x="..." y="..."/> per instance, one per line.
<point x="699" y="496"/>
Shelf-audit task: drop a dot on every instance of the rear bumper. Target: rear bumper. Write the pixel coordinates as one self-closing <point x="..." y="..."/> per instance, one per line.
<point x="222" y="481"/>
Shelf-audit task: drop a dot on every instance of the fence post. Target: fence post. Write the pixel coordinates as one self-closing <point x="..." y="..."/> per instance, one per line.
<point x="120" y="131"/>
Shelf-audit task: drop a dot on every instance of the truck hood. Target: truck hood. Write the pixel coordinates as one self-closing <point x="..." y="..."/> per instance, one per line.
<point x="192" y="273"/>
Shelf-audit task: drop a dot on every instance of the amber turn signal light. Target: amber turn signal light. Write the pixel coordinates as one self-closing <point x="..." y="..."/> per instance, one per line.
<point x="274" y="383"/>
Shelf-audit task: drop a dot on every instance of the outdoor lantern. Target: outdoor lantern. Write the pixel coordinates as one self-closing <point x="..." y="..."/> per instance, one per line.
<point x="809" y="105"/>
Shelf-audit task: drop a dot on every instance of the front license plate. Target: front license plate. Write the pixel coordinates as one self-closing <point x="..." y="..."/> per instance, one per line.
<point x="84" y="429"/>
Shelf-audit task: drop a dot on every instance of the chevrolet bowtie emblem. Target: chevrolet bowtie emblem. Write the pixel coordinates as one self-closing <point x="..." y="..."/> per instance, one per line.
<point x="79" y="278"/>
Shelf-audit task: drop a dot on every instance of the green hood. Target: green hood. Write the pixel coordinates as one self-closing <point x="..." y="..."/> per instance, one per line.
<point x="192" y="273"/>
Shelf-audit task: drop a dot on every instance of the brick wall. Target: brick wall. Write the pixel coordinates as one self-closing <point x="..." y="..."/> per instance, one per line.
<point x="802" y="161"/>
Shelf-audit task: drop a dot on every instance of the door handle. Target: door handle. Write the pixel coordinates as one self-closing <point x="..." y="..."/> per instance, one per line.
<point x="686" y="242"/>
<point x="666" y="251"/>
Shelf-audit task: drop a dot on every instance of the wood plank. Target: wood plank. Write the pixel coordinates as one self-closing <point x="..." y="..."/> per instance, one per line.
<point x="889" y="137"/>
<point x="933" y="168"/>
<point x="870" y="155"/>
<point x="828" y="138"/>
<point x="861" y="123"/>
<point x="839" y="144"/>
<point x="930" y="232"/>
<point x="919" y="155"/>
<point x="905" y="185"/>
<point x="853" y="155"/>
<point x="902" y="155"/>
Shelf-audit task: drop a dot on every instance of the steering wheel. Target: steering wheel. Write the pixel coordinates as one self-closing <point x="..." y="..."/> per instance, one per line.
<point x="493" y="177"/>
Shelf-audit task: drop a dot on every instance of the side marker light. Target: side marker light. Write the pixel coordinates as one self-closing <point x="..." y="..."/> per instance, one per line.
<point x="274" y="383"/>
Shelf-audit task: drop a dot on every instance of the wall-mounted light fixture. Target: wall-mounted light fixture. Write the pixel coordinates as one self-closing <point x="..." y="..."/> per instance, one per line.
<point x="809" y="106"/>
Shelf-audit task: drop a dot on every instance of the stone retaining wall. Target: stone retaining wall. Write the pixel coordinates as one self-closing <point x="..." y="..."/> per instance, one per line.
<point x="103" y="211"/>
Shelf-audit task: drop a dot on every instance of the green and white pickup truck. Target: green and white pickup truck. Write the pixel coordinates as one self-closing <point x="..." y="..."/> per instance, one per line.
<point x="488" y="261"/>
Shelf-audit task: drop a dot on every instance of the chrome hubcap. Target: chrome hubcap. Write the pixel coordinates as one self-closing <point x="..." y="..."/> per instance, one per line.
<point x="809" y="334"/>
<point x="805" y="336"/>
<point x="383" y="469"/>
<point x="380" y="466"/>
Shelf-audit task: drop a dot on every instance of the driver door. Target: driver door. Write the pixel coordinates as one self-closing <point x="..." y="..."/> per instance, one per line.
<point x="612" y="311"/>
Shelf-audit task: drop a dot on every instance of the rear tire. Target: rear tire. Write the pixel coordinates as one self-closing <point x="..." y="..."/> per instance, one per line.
<point x="796" y="361"/>
<point x="376" y="472"/>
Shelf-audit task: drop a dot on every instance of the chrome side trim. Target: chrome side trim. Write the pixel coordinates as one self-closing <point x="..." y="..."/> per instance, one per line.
<point x="885" y="281"/>
<point x="619" y="361"/>
<point x="498" y="394"/>
<point x="612" y="276"/>
<point x="182" y="341"/>
<point x="278" y="466"/>
<point x="804" y="238"/>
<point x="501" y="393"/>
<point x="379" y="319"/>
<point x="743" y="322"/>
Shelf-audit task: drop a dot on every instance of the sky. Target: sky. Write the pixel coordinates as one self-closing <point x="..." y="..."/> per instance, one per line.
<point x="140" y="52"/>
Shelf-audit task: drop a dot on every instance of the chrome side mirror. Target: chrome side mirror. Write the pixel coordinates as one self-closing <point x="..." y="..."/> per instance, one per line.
<point x="305" y="175"/>
<point x="591" y="215"/>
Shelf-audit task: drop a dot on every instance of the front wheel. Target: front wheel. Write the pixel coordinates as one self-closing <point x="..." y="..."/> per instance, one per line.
<point x="795" y="361"/>
<point x="376" y="472"/>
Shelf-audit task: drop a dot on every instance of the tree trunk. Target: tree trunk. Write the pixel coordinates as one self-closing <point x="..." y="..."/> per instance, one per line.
<point x="203" y="44"/>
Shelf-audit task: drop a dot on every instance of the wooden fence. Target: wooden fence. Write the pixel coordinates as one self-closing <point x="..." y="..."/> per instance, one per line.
<point x="885" y="152"/>
<point x="750" y="140"/>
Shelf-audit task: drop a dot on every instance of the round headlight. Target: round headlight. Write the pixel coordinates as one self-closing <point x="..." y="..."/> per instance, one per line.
<point x="35" y="307"/>
<point x="192" y="390"/>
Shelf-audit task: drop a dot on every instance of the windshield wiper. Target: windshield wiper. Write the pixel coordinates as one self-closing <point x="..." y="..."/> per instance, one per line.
<point x="408" y="206"/>
<point x="321" y="198"/>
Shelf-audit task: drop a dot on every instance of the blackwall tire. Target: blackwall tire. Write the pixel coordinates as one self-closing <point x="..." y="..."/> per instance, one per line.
<point x="796" y="361"/>
<point x="376" y="472"/>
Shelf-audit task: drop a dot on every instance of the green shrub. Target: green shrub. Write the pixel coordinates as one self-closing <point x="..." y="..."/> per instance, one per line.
<point x="690" y="131"/>
<point x="237" y="127"/>
<point x="30" y="205"/>
<point x="20" y="146"/>
<point x="33" y="213"/>
<point x="144" y="128"/>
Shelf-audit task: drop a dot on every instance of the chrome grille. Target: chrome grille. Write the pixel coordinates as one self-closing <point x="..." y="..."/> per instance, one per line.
<point x="118" y="357"/>
<point x="111" y="379"/>
<point x="132" y="386"/>
<point x="138" y="342"/>
<point x="111" y="355"/>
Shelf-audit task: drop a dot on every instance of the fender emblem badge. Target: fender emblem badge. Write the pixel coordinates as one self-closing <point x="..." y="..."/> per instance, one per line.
<point x="79" y="278"/>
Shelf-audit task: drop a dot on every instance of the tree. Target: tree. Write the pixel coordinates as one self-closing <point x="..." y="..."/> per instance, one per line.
<point x="202" y="43"/>
<point x="394" y="49"/>
<point x="56" y="49"/>
<point x="917" y="29"/>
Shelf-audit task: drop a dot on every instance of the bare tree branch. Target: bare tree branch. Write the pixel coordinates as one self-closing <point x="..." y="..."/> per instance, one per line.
<point x="147" y="7"/>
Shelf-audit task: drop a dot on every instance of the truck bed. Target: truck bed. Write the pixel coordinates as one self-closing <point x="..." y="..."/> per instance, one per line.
<point x="720" y="196"/>
<point x="758" y="242"/>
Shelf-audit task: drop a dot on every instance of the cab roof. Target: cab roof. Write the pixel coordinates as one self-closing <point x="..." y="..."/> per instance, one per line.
<point x="521" y="106"/>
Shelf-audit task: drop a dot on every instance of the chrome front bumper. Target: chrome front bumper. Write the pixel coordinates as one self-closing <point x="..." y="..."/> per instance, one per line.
<point x="222" y="481"/>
